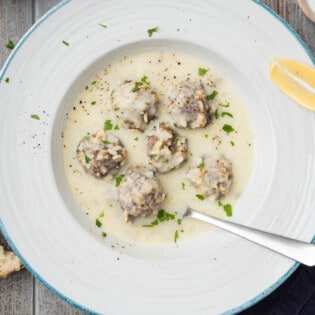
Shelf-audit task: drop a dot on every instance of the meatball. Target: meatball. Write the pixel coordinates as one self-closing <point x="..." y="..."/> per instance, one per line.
<point x="101" y="154"/>
<point x="212" y="177"/>
<point x="188" y="106"/>
<point x="136" y="104"/>
<point x="140" y="193"/>
<point x="166" y="150"/>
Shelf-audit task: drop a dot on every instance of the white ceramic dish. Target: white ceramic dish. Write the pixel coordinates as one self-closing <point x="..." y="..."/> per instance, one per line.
<point x="213" y="274"/>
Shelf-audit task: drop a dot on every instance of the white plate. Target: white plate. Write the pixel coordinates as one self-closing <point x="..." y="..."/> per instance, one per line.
<point x="220" y="272"/>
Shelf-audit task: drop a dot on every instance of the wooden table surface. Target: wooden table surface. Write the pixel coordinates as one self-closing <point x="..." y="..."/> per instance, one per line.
<point x="20" y="293"/>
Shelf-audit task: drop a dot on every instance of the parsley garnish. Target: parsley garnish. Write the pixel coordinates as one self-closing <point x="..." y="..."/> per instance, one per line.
<point x="165" y="216"/>
<point x="86" y="137"/>
<point x="152" y="30"/>
<point x="98" y="223"/>
<point x="216" y="114"/>
<point x="135" y="89"/>
<point x="144" y="80"/>
<point x="228" y="210"/>
<point x="7" y="80"/>
<point x="108" y="125"/>
<point x="200" y="197"/>
<point x="94" y="82"/>
<point x="226" y="114"/>
<point x="102" y="214"/>
<point x="103" y="25"/>
<point x="201" y="165"/>
<point x="136" y="139"/>
<point x="93" y="102"/>
<point x="232" y="143"/>
<point x="206" y="136"/>
<point x="34" y="116"/>
<point x="228" y="128"/>
<point x="183" y="185"/>
<point x="202" y="71"/>
<point x="224" y="105"/>
<point x="65" y="43"/>
<point x="116" y="127"/>
<point x="152" y="224"/>
<point x="87" y="159"/>
<point x="179" y="221"/>
<point x="10" y="45"/>
<point x="104" y="234"/>
<point x="212" y="95"/>
<point x="118" y="180"/>
<point x="175" y="236"/>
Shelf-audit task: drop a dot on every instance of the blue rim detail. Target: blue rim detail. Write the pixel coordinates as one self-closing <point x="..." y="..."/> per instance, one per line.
<point x="235" y="310"/>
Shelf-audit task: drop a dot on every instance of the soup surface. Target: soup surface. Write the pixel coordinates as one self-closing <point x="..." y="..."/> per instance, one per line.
<point x="98" y="197"/>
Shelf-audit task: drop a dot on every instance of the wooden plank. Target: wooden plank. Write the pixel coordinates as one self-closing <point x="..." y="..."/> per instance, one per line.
<point x="16" y="291"/>
<point x="15" y="19"/>
<point x="16" y="294"/>
<point x="47" y="303"/>
<point x="292" y="13"/>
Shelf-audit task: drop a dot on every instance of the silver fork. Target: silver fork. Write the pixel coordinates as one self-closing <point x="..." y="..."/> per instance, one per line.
<point x="300" y="251"/>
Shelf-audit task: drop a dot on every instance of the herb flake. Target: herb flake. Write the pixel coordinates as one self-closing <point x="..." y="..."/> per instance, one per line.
<point x="34" y="116"/>
<point x="202" y="71"/>
<point x="93" y="103"/>
<point x="104" y="234"/>
<point x="176" y="236"/>
<point x="228" y="128"/>
<point x="200" y="197"/>
<point x="98" y="223"/>
<point x="87" y="159"/>
<point x="65" y="43"/>
<point x="201" y="165"/>
<point x="108" y="125"/>
<point x="165" y="216"/>
<point x="226" y="114"/>
<point x="10" y="44"/>
<point x="152" y="30"/>
<point x="7" y="80"/>
<point x="118" y="180"/>
<point x="228" y="210"/>
<point x="212" y="95"/>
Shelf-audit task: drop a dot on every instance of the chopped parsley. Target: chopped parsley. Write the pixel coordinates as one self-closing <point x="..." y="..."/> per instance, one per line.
<point x="98" y="223"/>
<point x="34" y="116"/>
<point x="86" y="137"/>
<point x="179" y="221"/>
<point x="106" y="142"/>
<point x="176" y="236"/>
<point x="102" y="214"/>
<point x="93" y="102"/>
<point x="135" y="89"/>
<point x="118" y="180"/>
<point x="144" y="80"/>
<point x="202" y="71"/>
<point x="87" y="159"/>
<point x="232" y="143"/>
<point x="104" y="234"/>
<point x="200" y="197"/>
<point x="206" y="135"/>
<point x="108" y="125"/>
<point x="136" y="139"/>
<point x="10" y="44"/>
<point x="65" y="43"/>
<point x="216" y="114"/>
<point x="152" y="30"/>
<point x="94" y="82"/>
<point x="212" y="95"/>
<point x="152" y="224"/>
<point x="183" y="185"/>
<point x="201" y="165"/>
<point x="103" y="25"/>
<point x="224" y="105"/>
<point x="228" y="128"/>
<point x="226" y="114"/>
<point x="116" y="127"/>
<point x="7" y="80"/>
<point x="165" y="216"/>
<point x="228" y="210"/>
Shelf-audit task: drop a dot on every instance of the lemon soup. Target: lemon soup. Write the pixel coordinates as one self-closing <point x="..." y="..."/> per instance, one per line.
<point x="151" y="134"/>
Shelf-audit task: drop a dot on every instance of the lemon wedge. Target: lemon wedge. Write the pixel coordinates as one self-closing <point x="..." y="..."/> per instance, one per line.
<point x="295" y="79"/>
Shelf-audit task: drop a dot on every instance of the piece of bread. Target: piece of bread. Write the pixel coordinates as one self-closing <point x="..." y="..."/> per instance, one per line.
<point x="9" y="263"/>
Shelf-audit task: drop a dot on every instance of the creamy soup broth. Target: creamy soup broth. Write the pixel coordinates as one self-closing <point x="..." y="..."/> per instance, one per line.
<point x="97" y="197"/>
